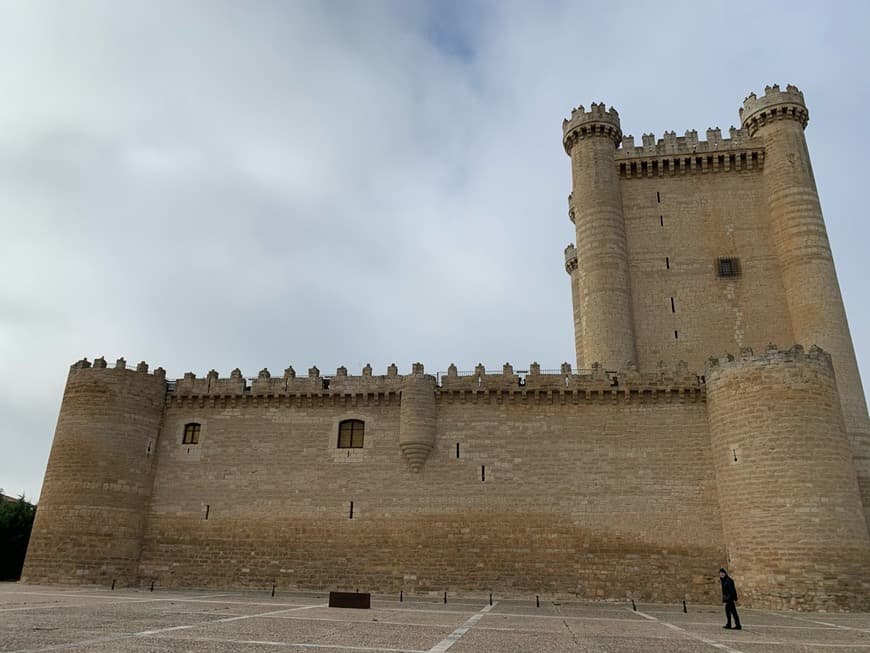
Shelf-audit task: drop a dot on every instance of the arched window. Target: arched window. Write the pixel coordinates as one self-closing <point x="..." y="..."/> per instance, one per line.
<point x="191" y="433"/>
<point x="350" y="434"/>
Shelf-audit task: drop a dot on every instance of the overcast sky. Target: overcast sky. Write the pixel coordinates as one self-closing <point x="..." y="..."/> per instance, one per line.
<point x="254" y="184"/>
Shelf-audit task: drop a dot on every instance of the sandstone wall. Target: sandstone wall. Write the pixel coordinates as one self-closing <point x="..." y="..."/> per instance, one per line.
<point x="94" y="500"/>
<point x="791" y="508"/>
<point x="677" y="226"/>
<point x="562" y="490"/>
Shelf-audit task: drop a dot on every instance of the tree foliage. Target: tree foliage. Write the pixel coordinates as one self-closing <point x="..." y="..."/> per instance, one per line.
<point x="16" y="520"/>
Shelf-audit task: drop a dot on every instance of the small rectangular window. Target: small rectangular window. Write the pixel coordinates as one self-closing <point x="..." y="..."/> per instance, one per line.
<point x="728" y="267"/>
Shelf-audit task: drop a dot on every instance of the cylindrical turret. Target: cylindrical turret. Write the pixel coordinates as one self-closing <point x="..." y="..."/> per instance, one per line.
<point x="791" y="511"/>
<point x="571" y="269"/>
<point x="810" y="280"/>
<point x="97" y="485"/>
<point x="602" y="277"/>
<point x="417" y="417"/>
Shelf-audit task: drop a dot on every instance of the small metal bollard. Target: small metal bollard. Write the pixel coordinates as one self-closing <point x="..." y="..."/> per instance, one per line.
<point x="445" y="598"/>
<point x="152" y="585"/>
<point x="684" y="607"/>
<point x="401" y="596"/>
<point x="273" y="591"/>
<point x="490" y="598"/>
<point x="113" y="583"/>
<point x="537" y="600"/>
<point x="633" y="606"/>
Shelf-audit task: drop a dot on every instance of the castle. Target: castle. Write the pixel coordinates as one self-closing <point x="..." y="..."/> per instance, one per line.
<point x="624" y="477"/>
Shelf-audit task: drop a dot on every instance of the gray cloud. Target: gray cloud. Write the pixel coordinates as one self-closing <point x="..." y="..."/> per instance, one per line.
<point x="213" y="184"/>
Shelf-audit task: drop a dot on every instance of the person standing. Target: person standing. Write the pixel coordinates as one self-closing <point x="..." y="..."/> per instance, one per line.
<point x="729" y="596"/>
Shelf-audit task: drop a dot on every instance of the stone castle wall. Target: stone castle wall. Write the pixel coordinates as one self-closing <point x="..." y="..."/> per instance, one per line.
<point x="559" y="488"/>
<point x="632" y="478"/>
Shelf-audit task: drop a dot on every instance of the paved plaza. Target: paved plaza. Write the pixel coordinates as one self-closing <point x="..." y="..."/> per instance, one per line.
<point x="43" y="618"/>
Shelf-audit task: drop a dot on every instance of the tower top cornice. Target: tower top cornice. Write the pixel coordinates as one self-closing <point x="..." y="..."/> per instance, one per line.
<point x="775" y="104"/>
<point x="598" y="121"/>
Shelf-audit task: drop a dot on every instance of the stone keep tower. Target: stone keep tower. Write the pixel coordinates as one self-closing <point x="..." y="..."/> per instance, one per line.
<point x="674" y="240"/>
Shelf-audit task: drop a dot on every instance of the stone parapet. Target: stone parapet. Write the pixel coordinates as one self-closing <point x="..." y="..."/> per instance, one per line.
<point x="598" y="121"/>
<point x="774" y="105"/>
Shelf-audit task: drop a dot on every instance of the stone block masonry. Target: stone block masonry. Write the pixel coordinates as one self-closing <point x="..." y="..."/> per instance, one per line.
<point x="635" y="476"/>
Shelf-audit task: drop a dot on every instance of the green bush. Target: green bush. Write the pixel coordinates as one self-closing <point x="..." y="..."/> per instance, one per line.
<point x="16" y="520"/>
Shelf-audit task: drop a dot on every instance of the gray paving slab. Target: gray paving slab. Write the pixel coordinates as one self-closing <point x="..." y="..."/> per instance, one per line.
<point x="38" y="619"/>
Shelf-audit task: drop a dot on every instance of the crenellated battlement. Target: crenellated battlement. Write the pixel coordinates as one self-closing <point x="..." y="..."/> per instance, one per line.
<point x="100" y="363"/>
<point x="772" y="355"/>
<point x="676" y="380"/>
<point x="689" y="143"/>
<point x="687" y="154"/>
<point x="289" y="383"/>
<point x="598" y="121"/>
<point x="775" y="104"/>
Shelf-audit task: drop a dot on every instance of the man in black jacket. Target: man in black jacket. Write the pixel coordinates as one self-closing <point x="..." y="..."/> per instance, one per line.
<point x="729" y="596"/>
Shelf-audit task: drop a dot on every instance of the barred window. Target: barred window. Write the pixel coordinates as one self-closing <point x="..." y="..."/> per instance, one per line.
<point x="191" y="433"/>
<point x="350" y="434"/>
<point x="728" y="267"/>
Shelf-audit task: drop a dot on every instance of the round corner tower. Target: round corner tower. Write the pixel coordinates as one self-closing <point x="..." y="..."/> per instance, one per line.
<point x="94" y="500"/>
<point x="601" y="285"/>
<point x="791" y="510"/>
<point x="812" y="292"/>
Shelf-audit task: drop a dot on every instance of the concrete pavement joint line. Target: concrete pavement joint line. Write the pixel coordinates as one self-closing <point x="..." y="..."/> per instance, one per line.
<point x="55" y="606"/>
<point x="457" y="634"/>
<point x="512" y="614"/>
<point x="145" y="633"/>
<point x="697" y="638"/>
<point x="823" y="623"/>
<point x="265" y="614"/>
<point x="60" y="647"/>
<point x="131" y="599"/>
<point x="762" y="642"/>
<point x="378" y="622"/>
<point x="260" y="642"/>
<point x="156" y="631"/>
<point x="88" y="596"/>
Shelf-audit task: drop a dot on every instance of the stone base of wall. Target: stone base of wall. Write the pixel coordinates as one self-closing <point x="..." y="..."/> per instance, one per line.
<point x="511" y="555"/>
